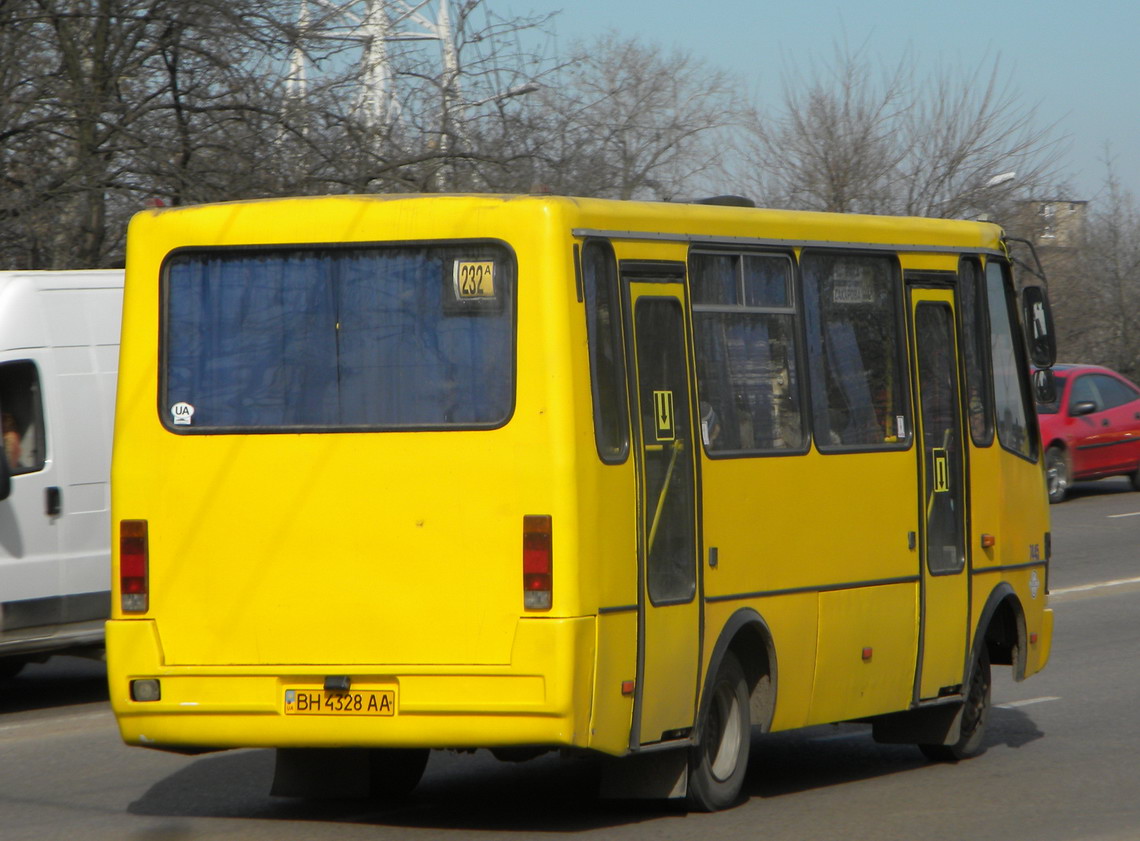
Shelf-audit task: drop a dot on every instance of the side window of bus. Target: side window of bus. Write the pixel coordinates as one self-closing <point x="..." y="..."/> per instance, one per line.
<point x="607" y="360"/>
<point x="744" y="318"/>
<point x="851" y="309"/>
<point x="1010" y="367"/>
<point x="975" y="343"/>
<point x="21" y="410"/>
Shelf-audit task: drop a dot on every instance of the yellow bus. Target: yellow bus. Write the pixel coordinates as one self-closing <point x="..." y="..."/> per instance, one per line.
<point x="523" y="473"/>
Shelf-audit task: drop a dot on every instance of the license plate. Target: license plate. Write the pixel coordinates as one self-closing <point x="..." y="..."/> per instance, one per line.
<point x="356" y="702"/>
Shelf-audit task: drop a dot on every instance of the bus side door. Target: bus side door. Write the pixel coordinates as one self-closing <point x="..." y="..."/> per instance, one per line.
<point x="944" y="633"/>
<point x="668" y="594"/>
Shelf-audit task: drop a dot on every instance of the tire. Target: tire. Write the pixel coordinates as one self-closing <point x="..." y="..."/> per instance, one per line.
<point x="1057" y="476"/>
<point x="719" y="759"/>
<point x="975" y="717"/>
<point x="1135" y="479"/>
<point x="395" y="772"/>
<point x="10" y="667"/>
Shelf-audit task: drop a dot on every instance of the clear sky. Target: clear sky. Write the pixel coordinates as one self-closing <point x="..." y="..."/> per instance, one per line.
<point x="1077" y="62"/>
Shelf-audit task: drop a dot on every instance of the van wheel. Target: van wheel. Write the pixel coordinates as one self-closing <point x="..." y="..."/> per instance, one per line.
<point x="1057" y="474"/>
<point x="975" y="716"/>
<point x="718" y="762"/>
<point x="10" y="667"/>
<point x="395" y="772"/>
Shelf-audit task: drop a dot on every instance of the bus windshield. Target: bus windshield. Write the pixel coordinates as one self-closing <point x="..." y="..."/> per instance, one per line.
<point x="322" y="338"/>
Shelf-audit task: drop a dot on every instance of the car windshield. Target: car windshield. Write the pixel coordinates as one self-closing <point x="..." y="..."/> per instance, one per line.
<point x="1052" y="407"/>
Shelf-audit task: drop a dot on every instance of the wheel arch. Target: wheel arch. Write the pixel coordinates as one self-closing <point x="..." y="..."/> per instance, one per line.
<point x="1001" y="629"/>
<point x="1064" y="447"/>
<point x="747" y="636"/>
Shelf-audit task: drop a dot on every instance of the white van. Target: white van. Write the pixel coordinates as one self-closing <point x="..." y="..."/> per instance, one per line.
<point x="59" y="354"/>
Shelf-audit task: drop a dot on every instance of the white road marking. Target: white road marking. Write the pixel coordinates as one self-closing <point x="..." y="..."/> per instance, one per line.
<point x="1098" y="586"/>
<point x="69" y="719"/>
<point x="1015" y="704"/>
<point x="1116" y="516"/>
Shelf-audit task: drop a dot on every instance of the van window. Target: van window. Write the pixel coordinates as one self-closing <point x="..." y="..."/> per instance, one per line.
<point x="607" y="362"/>
<point x="975" y="342"/>
<point x="747" y="364"/>
<point x="311" y="338"/>
<point x="854" y="340"/>
<point x="1011" y="391"/>
<point x="21" y="409"/>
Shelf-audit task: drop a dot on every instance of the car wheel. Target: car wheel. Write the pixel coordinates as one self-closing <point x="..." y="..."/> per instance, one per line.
<point x="396" y="771"/>
<point x="1057" y="474"/>
<point x="1135" y="477"/>
<point x="718" y="763"/>
<point x="10" y="667"/>
<point x="975" y="716"/>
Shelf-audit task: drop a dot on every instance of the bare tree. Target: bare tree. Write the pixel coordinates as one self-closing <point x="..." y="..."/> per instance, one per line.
<point x="627" y="119"/>
<point x="961" y="135"/>
<point x="110" y="101"/>
<point x="852" y="140"/>
<point x="1097" y="317"/>
<point x="832" y="146"/>
<point x="451" y="113"/>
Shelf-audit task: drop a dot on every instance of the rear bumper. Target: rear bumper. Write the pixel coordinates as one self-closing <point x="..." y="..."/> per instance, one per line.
<point x="541" y="698"/>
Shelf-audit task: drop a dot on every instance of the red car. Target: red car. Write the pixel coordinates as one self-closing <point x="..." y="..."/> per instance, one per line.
<point x="1093" y="430"/>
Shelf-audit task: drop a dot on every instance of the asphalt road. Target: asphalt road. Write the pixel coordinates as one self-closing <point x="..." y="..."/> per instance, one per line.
<point x="1060" y="766"/>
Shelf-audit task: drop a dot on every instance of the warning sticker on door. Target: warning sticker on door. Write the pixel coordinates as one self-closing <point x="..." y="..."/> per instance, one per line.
<point x="663" y="415"/>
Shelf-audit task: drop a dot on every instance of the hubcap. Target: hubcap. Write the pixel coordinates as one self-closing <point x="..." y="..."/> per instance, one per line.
<point x="724" y="720"/>
<point x="1055" y="474"/>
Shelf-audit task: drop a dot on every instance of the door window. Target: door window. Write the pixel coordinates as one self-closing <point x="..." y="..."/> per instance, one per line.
<point x="664" y="399"/>
<point x="1112" y="391"/>
<point x="21" y="410"/>
<point x="942" y="449"/>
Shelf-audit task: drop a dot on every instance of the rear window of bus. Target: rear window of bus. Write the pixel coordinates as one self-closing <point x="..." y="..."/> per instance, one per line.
<point x="325" y="338"/>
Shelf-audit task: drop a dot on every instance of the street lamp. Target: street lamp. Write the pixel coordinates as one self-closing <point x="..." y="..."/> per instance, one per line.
<point x="998" y="180"/>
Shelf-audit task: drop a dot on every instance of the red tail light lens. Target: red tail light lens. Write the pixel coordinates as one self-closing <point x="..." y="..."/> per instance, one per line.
<point x="134" y="566"/>
<point x="538" y="567"/>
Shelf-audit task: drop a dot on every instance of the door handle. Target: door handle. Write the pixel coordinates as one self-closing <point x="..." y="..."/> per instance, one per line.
<point x="53" y="501"/>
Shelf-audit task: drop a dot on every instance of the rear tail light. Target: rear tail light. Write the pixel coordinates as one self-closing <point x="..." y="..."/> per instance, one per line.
<point x="134" y="566"/>
<point x="538" y="568"/>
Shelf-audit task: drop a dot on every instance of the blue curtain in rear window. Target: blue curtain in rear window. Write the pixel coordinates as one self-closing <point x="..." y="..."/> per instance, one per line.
<point x="337" y="338"/>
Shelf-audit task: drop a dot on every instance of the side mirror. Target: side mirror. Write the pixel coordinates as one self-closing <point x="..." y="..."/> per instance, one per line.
<point x="1037" y="318"/>
<point x="1085" y="407"/>
<point x="1044" y="386"/>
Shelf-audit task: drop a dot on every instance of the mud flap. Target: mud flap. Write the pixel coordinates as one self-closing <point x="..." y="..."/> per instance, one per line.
<point x="938" y="725"/>
<point x="657" y="775"/>
<point x="321" y="773"/>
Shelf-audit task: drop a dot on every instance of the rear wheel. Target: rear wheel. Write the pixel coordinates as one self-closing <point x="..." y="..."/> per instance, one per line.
<point x="1135" y="477"/>
<point x="1057" y="474"/>
<point x="343" y="773"/>
<point x="718" y="762"/>
<point x="10" y="667"/>
<point x="395" y="772"/>
<point x="975" y="716"/>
